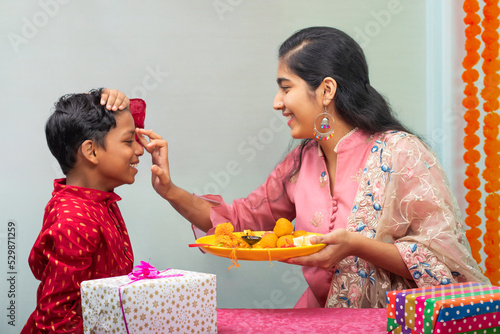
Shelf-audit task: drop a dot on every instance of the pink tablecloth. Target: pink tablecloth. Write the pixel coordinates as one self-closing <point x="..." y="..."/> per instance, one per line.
<point x="306" y="320"/>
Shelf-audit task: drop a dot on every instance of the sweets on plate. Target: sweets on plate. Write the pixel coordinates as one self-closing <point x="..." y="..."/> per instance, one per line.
<point x="282" y="236"/>
<point x="261" y="245"/>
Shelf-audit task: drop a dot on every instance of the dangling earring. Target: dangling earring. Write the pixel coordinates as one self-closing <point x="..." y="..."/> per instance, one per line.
<point x="325" y="125"/>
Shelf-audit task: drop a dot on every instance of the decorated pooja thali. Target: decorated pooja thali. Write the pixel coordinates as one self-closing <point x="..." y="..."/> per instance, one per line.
<point x="254" y="252"/>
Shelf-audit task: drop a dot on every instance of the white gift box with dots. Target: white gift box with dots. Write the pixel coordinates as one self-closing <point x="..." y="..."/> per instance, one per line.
<point x="183" y="304"/>
<point x="452" y="308"/>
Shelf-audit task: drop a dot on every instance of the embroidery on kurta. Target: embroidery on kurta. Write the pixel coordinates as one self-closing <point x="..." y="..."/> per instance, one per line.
<point x="323" y="179"/>
<point x="317" y="219"/>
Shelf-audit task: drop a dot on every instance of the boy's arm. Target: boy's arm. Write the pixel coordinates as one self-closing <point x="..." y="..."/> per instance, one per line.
<point x="68" y="249"/>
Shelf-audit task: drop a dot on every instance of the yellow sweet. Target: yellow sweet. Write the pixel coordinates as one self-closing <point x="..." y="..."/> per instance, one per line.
<point x="299" y="233"/>
<point x="283" y="227"/>
<point x="268" y="241"/>
<point x="285" y="241"/>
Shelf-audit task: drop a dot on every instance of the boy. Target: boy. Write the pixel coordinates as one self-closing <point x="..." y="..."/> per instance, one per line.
<point x="83" y="234"/>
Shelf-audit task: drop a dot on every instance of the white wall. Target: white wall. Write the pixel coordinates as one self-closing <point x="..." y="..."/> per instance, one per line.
<point x="206" y="69"/>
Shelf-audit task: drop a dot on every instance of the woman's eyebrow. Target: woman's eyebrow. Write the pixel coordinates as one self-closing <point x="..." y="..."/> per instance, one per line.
<point x="280" y="80"/>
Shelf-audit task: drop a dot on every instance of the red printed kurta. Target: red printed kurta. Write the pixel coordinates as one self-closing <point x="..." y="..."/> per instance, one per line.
<point x="83" y="237"/>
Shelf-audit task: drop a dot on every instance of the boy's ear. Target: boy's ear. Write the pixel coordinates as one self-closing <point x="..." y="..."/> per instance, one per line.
<point x="87" y="150"/>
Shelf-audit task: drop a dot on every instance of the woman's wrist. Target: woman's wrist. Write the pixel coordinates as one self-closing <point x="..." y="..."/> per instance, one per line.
<point x="170" y="192"/>
<point x="355" y="244"/>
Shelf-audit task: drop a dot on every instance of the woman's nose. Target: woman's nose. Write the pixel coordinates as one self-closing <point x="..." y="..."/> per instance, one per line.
<point x="278" y="102"/>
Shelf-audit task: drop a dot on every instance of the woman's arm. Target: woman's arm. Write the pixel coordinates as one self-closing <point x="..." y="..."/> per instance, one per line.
<point x="342" y="243"/>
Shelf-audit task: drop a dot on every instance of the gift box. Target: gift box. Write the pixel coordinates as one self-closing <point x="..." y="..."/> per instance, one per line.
<point x="452" y="308"/>
<point x="170" y="301"/>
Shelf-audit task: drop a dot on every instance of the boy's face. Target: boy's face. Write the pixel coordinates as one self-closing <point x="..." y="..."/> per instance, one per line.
<point x="118" y="162"/>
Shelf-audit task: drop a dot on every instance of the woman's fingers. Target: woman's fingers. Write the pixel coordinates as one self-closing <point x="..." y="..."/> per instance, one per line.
<point x="155" y="140"/>
<point x="114" y="99"/>
<point x="150" y="133"/>
<point x="308" y="260"/>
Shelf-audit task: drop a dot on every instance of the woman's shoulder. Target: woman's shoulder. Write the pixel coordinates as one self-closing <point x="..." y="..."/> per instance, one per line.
<point x="401" y="140"/>
<point x="404" y="148"/>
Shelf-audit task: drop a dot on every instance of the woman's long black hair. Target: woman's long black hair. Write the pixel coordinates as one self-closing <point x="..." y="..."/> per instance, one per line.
<point x="318" y="52"/>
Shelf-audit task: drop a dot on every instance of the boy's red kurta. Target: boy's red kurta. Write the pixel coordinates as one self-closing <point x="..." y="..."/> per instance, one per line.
<point x="83" y="237"/>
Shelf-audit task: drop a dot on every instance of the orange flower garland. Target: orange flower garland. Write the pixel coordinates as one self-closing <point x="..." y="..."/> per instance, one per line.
<point x="471" y="140"/>
<point x="491" y="174"/>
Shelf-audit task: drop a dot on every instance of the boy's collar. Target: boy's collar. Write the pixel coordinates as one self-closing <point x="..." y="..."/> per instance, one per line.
<point x="82" y="192"/>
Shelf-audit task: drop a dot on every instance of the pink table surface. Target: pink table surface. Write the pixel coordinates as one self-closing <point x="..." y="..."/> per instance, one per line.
<point x="306" y="320"/>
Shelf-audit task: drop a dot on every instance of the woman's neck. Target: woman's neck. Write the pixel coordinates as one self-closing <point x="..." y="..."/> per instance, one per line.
<point x="341" y="130"/>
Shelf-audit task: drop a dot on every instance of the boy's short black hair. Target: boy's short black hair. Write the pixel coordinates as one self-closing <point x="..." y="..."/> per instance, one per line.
<point x="77" y="118"/>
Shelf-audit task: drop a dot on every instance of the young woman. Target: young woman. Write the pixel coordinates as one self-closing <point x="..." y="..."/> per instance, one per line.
<point x="376" y="191"/>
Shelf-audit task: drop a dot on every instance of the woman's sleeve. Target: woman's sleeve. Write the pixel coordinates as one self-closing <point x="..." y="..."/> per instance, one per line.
<point x="68" y="247"/>
<point x="422" y="216"/>
<point x="260" y="210"/>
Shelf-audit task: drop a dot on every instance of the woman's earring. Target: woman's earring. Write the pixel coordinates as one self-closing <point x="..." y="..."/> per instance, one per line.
<point x="325" y="125"/>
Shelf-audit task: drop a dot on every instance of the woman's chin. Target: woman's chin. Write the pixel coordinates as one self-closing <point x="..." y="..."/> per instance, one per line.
<point x="298" y="135"/>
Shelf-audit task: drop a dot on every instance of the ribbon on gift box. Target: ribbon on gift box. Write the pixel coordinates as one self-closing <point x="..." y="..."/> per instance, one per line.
<point x="139" y="273"/>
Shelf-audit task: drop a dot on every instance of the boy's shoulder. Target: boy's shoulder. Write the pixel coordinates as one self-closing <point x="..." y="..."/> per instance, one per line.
<point x="74" y="204"/>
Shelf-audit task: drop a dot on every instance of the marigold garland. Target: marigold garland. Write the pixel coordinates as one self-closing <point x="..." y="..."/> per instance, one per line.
<point x="471" y="140"/>
<point x="491" y="174"/>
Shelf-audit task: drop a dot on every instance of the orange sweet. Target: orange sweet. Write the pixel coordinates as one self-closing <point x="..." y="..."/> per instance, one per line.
<point x="299" y="233"/>
<point x="285" y="241"/>
<point x="268" y="241"/>
<point x="283" y="227"/>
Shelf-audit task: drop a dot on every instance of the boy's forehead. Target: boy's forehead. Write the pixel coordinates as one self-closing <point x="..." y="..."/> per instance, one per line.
<point x="124" y="124"/>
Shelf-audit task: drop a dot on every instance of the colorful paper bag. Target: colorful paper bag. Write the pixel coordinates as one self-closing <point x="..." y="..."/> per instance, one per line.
<point x="452" y="308"/>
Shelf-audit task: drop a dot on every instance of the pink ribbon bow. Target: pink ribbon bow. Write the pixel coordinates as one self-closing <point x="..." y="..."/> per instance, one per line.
<point x="140" y="272"/>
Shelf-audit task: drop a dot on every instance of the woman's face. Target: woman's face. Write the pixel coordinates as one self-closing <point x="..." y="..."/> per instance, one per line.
<point x="297" y="102"/>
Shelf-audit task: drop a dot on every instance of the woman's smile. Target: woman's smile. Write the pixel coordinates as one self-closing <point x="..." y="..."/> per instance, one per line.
<point x="289" y="116"/>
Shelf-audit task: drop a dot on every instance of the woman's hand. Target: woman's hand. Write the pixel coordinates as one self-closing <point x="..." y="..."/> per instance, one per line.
<point x="338" y="246"/>
<point x="193" y="208"/>
<point x="114" y="99"/>
<point x="158" y="148"/>
<point x="341" y="244"/>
